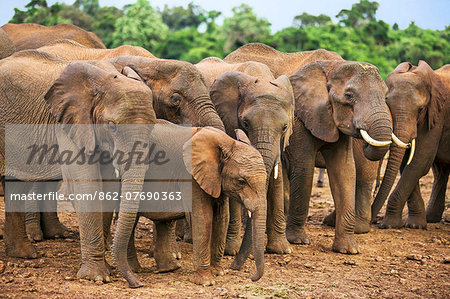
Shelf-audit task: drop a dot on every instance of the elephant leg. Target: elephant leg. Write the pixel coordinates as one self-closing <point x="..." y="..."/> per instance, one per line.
<point x="234" y="237"/>
<point x="202" y="218"/>
<point x="341" y="174"/>
<point x="285" y="189"/>
<point x="219" y="233"/>
<point x="436" y="205"/>
<point x="416" y="210"/>
<point x="163" y="251"/>
<point x="33" y="218"/>
<point x="276" y="219"/>
<point x="301" y="155"/>
<point x="133" y="261"/>
<point x="107" y="236"/>
<point x="17" y="243"/>
<point x="320" y="179"/>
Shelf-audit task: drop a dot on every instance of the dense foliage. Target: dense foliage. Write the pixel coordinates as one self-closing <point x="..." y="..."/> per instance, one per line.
<point x="192" y="33"/>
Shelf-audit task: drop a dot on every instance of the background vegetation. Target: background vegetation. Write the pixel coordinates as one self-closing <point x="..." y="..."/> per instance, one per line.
<point x="192" y="33"/>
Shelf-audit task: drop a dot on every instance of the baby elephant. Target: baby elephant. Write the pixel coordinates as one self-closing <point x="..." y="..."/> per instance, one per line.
<point x="219" y="167"/>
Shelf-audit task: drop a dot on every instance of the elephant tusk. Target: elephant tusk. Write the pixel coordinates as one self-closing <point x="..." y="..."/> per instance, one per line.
<point x="413" y="149"/>
<point x="399" y="142"/>
<point x="372" y="141"/>
<point x="249" y="214"/>
<point x="116" y="172"/>
<point x="275" y="171"/>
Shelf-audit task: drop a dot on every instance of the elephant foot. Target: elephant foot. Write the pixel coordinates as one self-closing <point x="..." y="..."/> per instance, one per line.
<point x="346" y="244"/>
<point x="55" y="229"/>
<point x="392" y="221"/>
<point x="416" y="222"/>
<point x="330" y="220"/>
<point x="23" y="249"/>
<point x="166" y="263"/>
<point x="34" y="231"/>
<point x="232" y="245"/>
<point x="297" y="235"/>
<point x="278" y="245"/>
<point x="362" y="226"/>
<point x="217" y="270"/>
<point x="96" y="272"/>
<point x="434" y="217"/>
<point x="203" y="277"/>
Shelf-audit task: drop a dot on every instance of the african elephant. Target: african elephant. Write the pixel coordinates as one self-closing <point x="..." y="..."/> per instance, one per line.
<point x="334" y="101"/>
<point x="71" y="50"/>
<point x="37" y="88"/>
<point x="7" y="47"/>
<point x="418" y="98"/>
<point x="32" y="36"/>
<point x="221" y="167"/>
<point x="248" y="97"/>
<point x="287" y="64"/>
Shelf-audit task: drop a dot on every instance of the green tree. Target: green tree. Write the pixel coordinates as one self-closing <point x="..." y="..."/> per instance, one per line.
<point x="178" y="17"/>
<point x="306" y="19"/>
<point x="39" y="12"/>
<point x="360" y="14"/>
<point x="244" y="27"/>
<point x="90" y="7"/>
<point x="104" y="23"/>
<point x="141" y="26"/>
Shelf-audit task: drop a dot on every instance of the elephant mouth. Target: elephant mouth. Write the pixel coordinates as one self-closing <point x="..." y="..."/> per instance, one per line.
<point x="372" y="141"/>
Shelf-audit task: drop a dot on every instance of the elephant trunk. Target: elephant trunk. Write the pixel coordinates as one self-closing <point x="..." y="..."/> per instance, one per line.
<point x="207" y="115"/>
<point x="132" y="181"/>
<point x="267" y="148"/>
<point x="378" y="136"/>
<point x="253" y="239"/>
<point x="396" y="155"/>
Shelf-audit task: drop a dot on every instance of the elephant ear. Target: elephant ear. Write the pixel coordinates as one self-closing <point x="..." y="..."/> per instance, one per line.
<point x="312" y="105"/>
<point x="71" y="98"/>
<point x="203" y="156"/>
<point x="439" y="94"/>
<point x="225" y="95"/>
<point x="132" y="74"/>
<point x="288" y="96"/>
<point x="241" y="136"/>
<point x="404" y="67"/>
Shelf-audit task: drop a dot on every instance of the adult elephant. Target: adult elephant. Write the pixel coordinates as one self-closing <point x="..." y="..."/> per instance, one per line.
<point x="334" y="101"/>
<point x="72" y="50"/>
<point x="37" y="88"/>
<point x="287" y="64"/>
<point x="7" y="47"/>
<point x="248" y="97"/>
<point x="418" y="98"/>
<point x="221" y="167"/>
<point x="32" y="36"/>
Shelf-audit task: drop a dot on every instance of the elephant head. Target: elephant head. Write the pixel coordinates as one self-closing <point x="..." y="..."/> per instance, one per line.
<point x="222" y="165"/>
<point x="180" y="94"/>
<point x="262" y="108"/>
<point x="344" y="97"/>
<point x="415" y="98"/>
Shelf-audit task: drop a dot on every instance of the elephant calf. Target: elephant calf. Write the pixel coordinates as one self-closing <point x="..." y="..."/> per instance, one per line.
<point x="221" y="167"/>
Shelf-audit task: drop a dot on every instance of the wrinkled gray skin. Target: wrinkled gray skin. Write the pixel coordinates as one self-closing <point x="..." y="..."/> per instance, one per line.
<point x="287" y="64"/>
<point x="248" y="97"/>
<point x="41" y="89"/>
<point x="418" y="98"/>
<point x="333" y="101"/>
<point x="7" y="47"/>
<point x="221" y="167"/>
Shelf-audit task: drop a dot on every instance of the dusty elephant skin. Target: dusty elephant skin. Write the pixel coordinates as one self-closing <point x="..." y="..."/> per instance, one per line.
<point x="221" y="167"/>
<point x="7" y="47"/>
<point x="335" y="100"/>
<point x="32" y="36"/>
<point x="418" y="98"/>
<point x="50" y="93"/>
<point x="248" y="97"/>
<point x="287" y="64"/>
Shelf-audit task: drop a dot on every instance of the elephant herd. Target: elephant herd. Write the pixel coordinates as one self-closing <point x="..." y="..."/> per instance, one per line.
<point x="260" y="121"/>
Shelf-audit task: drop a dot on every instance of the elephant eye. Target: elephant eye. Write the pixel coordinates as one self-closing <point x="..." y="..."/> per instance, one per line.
<point x="241" y="182"/>
<point x="285" y="128"/>
<point x="175" y="99"/>
<point x="245" y="124"/>
<point x="348" y="96"/>
<point x="112" y="126"/>
<point x="420" y="110"/>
